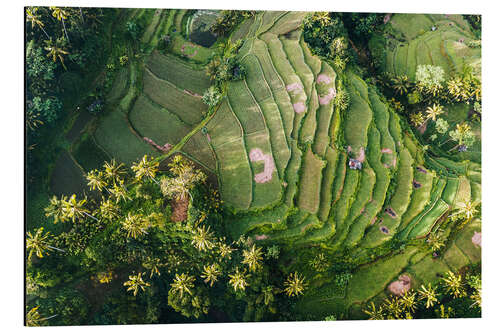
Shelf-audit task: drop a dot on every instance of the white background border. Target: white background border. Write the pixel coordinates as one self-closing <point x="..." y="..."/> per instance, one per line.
<point x="12" y="164"/>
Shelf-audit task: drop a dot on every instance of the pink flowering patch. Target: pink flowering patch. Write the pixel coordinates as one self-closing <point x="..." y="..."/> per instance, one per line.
<point x="209" y="138"/>
<point x="323" y="100"/>
<point x="323" y="78"/>
<point x="295" y="87"/>
<point x="256" y="155"/>
<point x="261" y="237"/>
<point x="401" y="286"/>
<point x="386" y="151"/>
<point x="476" y="239"/>
<point x="192" y="93"/>
<point x="361" y="156"/>
<point x="299" y="107"/>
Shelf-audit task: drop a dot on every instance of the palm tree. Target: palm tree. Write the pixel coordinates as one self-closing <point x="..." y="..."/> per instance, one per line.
<point x="374" y="312"/>
<point x="38" y="243"/>
<point x="146" y="168"/>
<point x="238" y="280"/>
<point x="114" y="171"/>
<point x="408" y="301"/>
<point x="134" y="225"/>
<point x="225" y="250"/>
<point x="435" y="240"/>
<point x="31" y="17"/>
<point x="96" y="180"/>
<point x="202" y="239"/>
<point x="108" y="210"/>
<point x="417" y="119"/>
<point x="392" y="307"/>
<point x="183" y="283"/>
<point x="32" y="119"/>
<point x="57" y="209"/>
<point x="120" y="192"/>
<point x="55" y="52"/>
<point x="211" y="273"/>
<point x="323" y="18"/>
<point x="428" y="294"/>
<point x="33" y="318"/>
<point x="294" y="284"/>
<point x="401" y="84"/>
<point x="476" y="297"/>
<point x="434" y="111"/>
<point x="466" y="209"/>
<point x="253" y="258"/>
<point x="75" y="209"/>
<point x="454" y="285"/>
<point x="135" y="282"/>
<point x="186" y="178"/>
<point x="60" y="15"/>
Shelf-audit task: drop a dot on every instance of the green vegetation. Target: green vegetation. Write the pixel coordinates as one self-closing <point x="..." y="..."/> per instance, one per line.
<point x="268" y="166"/>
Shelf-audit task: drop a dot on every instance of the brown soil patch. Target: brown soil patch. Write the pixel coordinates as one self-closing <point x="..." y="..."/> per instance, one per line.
<point x="179" y="210"/>
<point x="401" y="286"/>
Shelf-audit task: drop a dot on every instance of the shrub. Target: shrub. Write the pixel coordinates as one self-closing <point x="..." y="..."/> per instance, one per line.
<point x="212" y="96"/>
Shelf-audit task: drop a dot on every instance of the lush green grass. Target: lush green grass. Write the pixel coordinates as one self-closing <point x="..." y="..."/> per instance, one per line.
<point x="357" y="119"/>
<point x="455" y="258"/>
<point x="286" y="23"/>
<point x="119" y="87"/>
<point x="242" y="31"/>
<point x="67" y="177"/>
<point x="420" y="196"/>
<point x="331" y="156"/>
<point x="425" y="224"/>
<point x="450" y="190"/>
<point x="235" y="173"/>
<point x="152" y="121"/>
<point x="88" y="155"/>
<point x="309" y="123"/>
<point x="428" y="269"/>
<point x="324" y="113"/>
<point x="369" y="280"/>
<point x="189" y="108"/>
<point x="268" y="19"/>
<point x="224" y="126"/>
<point x="245" y="108"/>
<point x="292" y="173"/>
<point x="198" y="148"/>
<point x="464" y="241"/>
<point x="310" y="182"/>
<point x="115" y="136"/>
<point x="188" y="50"/>
<point x="178" y="72"/>
<point x="272" y="77"/>
<point x="295" y="56"/>
<point x="152" y="26"/>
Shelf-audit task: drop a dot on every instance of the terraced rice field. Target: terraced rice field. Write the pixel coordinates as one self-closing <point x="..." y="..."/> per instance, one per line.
<point x="274" y="144"/>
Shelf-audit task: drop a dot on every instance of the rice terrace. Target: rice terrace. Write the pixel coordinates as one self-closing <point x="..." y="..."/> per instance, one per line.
<point x="224" y="166"/>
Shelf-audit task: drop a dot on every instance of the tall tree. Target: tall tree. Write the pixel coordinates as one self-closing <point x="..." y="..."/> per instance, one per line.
<point x="135" y="225"/>
<point x="135" y="282"/>
<point x="55" y="51"/>
<point x="60" y="14"/>
<point x="75" y="209"/>
<point x="183" y="284"/>
<point x="146" y="168"/>
<point x="39" y="243"/>
<point x="57" y="209"/>
<point x="253" y="258"/>
<point x="238" y="280"/>
<point x="35" y="20"/>
<point x="295" y="284"/>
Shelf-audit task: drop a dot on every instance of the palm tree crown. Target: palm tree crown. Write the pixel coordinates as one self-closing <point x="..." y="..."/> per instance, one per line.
<point x="253" y="258"/>
<point x="145" y="168"/>
<point x="57" y="209"/>
<point x="428" y="294"/>
<point x="294" y="284"/>
<point x="135" y="225"/>
<point x="238" y="280"/>
<point x="202" y="239"/>
<point x="211" y="273"/>
<point x="135" y="282"/>
<point x="183" y="283"/>
<point x="38" y="243"/>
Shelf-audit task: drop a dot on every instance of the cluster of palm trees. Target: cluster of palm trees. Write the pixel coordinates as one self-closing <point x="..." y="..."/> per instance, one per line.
<point x="452" y="285"/>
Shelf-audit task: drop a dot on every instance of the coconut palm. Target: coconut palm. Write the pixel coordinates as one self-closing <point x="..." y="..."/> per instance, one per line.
<point x="466" y="209"/>
<point x="60" y="15"/>
<point x="153" y="264"/>
<point x="35" y="20"/>
<point x="401" y="84"/>
<point x="33" y="318"/>
<point x="38" y="243"/>
<point x="435" y="240"/>
<point x="294" y="284"/>
<point x="433" y="111"/>
<point x="202" y="239"/>
<point x="476" y="297"/>
<point x="183" y="283"/>
<point x="57" y="209"/>
<point x="32" y="119"/>
<point x="408" y="301"/>
<point x="55" y="51"/>
<point x="186" y="178"/>
<point x="253" y="258"/>
<point x="135" y="282"/>
<point x="146" y="168"/>
<point x="392" y="308"/>
<point x="374" y="312"/>
<point x="211" y="273"/>
<point x="454" y="285"/>
<point x="238" y="280"/>
<point x="75" y="209"/>
<point x="322" y="17"/>
<point x="114" y="171"/>
<point x="108" y="209"/>
<point x="96" y="179"/>
<point x="417" y="119"/>
<point x="428" y="294"/>
<point x="225" y="250"/>
<point x="120" y="192"/>
<point x="134" y="225"/>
